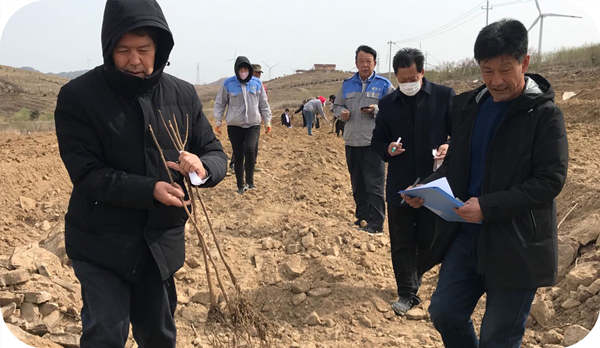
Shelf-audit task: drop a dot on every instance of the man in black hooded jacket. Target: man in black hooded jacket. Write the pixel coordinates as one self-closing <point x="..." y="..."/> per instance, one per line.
<point x="124" y="228"/>
<point x="507" y="162"/>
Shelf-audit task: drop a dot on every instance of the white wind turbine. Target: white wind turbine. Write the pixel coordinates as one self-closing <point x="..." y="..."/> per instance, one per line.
<point x="540" y="18"/>
<point x="270" y="67"/>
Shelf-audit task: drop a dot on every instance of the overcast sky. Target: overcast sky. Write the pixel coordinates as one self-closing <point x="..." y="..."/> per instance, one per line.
<point x="64" y="35"/>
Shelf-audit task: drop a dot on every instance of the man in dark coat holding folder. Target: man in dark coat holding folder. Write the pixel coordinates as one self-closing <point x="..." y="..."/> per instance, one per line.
<point x="124" y="228"/>
<point x="412" y="121"/>
<point x="508" y="161"/>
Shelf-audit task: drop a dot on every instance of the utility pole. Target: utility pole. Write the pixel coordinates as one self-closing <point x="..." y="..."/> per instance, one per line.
<point x="390" y="62"/>
<point x="487" y="9"/>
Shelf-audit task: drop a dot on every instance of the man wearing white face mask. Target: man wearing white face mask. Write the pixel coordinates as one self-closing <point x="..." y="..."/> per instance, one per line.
<point x="246" y="101"/>
<point x="416" y="113"/>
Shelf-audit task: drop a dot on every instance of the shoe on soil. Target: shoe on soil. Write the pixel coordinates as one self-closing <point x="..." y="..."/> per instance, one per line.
<point x="243" y="189"/>
<point x="403" y="305"/>
<point x="374" y="231"/>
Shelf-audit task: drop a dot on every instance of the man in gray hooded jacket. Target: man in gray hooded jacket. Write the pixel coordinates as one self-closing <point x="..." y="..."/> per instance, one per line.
<point x="246" y="101"/>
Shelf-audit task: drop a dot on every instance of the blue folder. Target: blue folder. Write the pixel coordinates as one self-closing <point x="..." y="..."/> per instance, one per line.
<point x="438" y="201"/>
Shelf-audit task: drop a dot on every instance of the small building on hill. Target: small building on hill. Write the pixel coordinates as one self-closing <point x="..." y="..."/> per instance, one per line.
<point x="318" y="67"/>
<point x="324" y="67"/>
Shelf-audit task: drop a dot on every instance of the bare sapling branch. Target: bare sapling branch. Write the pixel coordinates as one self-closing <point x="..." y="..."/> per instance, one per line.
<point x="242" y="319"/>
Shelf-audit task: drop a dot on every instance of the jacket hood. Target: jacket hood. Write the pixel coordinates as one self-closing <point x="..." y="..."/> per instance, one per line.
<point x="243" y="61"/>
<point x="122" y="16"/>
<point x="537" y="90"/>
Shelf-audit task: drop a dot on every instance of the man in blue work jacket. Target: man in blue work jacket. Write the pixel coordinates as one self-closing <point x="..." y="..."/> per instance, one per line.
<point x="356" y="104"/>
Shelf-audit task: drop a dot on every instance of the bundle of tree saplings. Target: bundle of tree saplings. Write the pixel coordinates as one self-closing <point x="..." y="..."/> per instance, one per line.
<point x="237" y="314"/>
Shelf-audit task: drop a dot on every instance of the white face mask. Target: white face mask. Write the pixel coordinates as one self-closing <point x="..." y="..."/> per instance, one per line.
<point x="410" y="88"/>
<point x="243" y="75"/>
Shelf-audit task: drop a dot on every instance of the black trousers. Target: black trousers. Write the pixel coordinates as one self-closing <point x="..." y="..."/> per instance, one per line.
<point x="244" y="142"/>
<point x="411" y="230"/>
<point x="111" y="303"/>
<point x="339" y="127"/>
<point x="367" y="175"/>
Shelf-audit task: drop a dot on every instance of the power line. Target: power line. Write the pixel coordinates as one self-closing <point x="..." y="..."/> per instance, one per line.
<point x="512" y="3"/>
<point x="487" y="7"/>
<point x="448" y="29"/>
<point x="448" y="26"/>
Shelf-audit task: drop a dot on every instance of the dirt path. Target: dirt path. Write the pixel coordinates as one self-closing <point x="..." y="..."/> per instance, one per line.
<point x="301" y="212"/>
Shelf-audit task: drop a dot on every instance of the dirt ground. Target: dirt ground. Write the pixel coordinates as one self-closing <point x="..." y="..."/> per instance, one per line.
<point x="303" y="189"/>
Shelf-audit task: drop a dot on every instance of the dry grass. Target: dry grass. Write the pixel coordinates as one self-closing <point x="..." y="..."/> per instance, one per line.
<point x="467" y="69"/>
<point x="584" y="56"/>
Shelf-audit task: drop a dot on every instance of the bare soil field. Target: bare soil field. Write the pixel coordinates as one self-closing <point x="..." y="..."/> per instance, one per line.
<point x="291" y="242"/>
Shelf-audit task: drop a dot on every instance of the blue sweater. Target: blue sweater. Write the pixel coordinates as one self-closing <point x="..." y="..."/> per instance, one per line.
<point x="488" y="118"/>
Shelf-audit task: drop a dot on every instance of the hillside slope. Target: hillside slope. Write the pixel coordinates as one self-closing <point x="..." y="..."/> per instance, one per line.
<point x="27" y="89"/>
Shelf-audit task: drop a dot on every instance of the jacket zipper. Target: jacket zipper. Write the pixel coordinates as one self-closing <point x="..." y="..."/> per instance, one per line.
<point x="519" y="235"/>
<point x="533" y="224"/>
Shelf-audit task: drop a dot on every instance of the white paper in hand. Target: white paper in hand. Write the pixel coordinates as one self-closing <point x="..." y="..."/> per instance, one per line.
<point x="195" y="179"/>
<point x="439" y="198"/>
<point x="442" y="183"/>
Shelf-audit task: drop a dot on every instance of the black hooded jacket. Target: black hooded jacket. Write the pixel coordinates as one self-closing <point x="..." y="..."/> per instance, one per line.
<point x="102" y="125"/>
<point x="240" y="62"/>
<point x="525" y="169"/>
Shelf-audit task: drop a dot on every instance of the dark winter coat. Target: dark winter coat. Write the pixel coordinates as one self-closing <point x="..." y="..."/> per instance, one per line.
<point x="423" y="126"/>
<point x="286" y="121"/>
<point x="102" y="125"/>
<point x="525" y="169"/>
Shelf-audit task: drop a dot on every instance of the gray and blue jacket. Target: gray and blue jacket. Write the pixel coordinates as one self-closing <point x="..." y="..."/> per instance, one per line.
<point x="246" y="103"/>
<point x="354" y="95"/>
<point x="315" y="106"/>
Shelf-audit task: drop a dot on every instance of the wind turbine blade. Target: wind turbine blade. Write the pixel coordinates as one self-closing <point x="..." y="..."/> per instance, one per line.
<point x="537" y="4"/>
<point x="560" y="15"/>
<point x="534" y="23"/>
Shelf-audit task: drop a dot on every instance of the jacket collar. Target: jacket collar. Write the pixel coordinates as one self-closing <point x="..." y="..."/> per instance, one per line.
<point x="129" y="85"/>
<point x="357" y="77"/>
<point x="531" y="88"/>
<point x="427" y="86"/>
